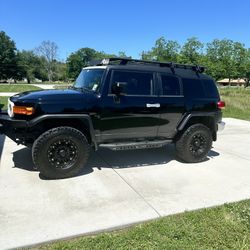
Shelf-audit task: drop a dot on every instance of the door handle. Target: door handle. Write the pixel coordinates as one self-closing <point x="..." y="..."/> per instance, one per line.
<point x="153" y="105"/>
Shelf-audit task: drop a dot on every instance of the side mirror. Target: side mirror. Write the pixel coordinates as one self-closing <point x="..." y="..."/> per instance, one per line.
<point x="118" y="88"/>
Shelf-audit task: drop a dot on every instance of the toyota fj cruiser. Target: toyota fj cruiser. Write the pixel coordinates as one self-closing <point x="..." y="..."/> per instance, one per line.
<point x="119" y="104"/>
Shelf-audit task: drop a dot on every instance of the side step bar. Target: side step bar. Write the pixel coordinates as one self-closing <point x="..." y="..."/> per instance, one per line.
<point x="135" y="145"/>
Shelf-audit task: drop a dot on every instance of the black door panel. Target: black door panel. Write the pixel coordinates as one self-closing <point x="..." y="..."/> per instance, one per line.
<point x="172" y="104"/>
<point x="130" y="118"/>
<point x="132" y="114"/>
<point x="171" y="111"/>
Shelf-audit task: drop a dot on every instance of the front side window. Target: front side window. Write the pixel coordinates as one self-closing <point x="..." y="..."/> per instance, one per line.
<point x="134" y="83"/>
<point x="170" y="85"/>
<point x="89" y="79"/>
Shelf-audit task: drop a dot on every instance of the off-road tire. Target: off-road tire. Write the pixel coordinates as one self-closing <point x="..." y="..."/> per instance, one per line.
<point x="185" y="145"/>
<point x="59" y="142"/>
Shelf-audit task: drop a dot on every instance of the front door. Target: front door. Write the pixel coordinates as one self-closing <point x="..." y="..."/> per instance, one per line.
<point x="134" y="114"/>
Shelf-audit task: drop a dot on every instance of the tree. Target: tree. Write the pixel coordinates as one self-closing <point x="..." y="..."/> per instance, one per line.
<point x="146" y="55"/>
<point x="247" y="68"/>
<point x="191" y="51"/>
<point x="240" y="60"/>
<point x="220" y="59"/>
<point x="48" y="50"/>
<point x="164" y="50"/>
<point x="101" y="55"/>
<point x="30" y="66"/>
<point x="122" y="54"/>
<point x="8" y="58"/>
<point x="79" y="59"/>
<point x="61" y="72"/>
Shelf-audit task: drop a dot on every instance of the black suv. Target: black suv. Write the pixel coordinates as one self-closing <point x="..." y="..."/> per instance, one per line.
<point x="119" y="104"/>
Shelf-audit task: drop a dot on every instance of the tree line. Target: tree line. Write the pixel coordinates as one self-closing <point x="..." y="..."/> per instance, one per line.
<point x="222" y="58"/>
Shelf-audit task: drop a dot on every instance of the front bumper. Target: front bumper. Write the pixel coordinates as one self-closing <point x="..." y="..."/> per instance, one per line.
<point x="221" y="125"/>
<point x="15" y="129"/>
<point x="8" y="124"/>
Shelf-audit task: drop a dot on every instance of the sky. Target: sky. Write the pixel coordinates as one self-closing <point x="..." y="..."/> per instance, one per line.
<point x="131" y="26"/>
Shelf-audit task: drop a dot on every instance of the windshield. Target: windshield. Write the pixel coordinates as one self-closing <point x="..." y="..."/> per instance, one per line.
<point x="89" y="79"/>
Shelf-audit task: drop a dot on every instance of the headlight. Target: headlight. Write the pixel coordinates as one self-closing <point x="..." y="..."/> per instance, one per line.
<point x="19" y="110"/>
<point x="10" y="108"/>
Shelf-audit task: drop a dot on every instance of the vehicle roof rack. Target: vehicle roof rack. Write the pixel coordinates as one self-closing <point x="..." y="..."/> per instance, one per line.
<point x="125" y="61"/>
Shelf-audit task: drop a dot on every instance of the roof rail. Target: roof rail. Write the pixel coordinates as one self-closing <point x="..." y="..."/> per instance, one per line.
<point x="125" y="61"/>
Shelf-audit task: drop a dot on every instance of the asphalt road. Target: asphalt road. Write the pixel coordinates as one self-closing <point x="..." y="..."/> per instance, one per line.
<point x="117" y="188"/>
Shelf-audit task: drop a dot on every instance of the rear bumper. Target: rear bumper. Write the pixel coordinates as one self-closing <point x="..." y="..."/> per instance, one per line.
<point x="221" y="125"/>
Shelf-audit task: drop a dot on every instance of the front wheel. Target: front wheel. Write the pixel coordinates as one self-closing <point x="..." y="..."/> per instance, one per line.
<point x="194" y="144"/>
<point x="60" y="152"/>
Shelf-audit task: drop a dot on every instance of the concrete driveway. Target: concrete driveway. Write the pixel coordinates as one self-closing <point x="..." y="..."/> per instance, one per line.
<point x="117" y="188"/>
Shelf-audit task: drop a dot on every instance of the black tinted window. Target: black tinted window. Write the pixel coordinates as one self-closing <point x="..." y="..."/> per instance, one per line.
<point x="170" y="85"/>
<point x="135" y="83"/>
<point x="210" y="88"/>
<point x="193" y="88"/>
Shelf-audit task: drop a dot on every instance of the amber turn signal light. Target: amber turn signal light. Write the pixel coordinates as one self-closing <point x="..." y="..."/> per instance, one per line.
<point x="21" y="110"/>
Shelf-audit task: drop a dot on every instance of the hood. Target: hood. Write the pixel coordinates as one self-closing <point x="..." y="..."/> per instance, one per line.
<point x="51" y="96"/>
<point x="56" y="101"/>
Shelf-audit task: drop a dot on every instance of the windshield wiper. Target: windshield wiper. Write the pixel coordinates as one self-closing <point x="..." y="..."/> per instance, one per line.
<point x="81" y="88"/>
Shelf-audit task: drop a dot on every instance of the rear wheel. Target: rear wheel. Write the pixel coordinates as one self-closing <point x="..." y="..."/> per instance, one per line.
<point x="60" y="152"/>
<point x="194" y="144"/>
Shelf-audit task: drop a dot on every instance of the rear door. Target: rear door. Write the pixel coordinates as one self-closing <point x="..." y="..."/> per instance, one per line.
<point x="172" y="104"/>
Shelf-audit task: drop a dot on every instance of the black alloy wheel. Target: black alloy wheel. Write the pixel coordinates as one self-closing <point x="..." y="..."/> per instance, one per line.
<point x="194" y="143"/>
<point x="63" y="153"/>
<point x="198" y="144"/>
<point x="60" y="152"/>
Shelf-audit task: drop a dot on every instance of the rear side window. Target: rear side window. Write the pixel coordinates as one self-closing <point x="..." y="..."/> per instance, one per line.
<point x="210" y="88"/>
<point x="193" y="88"/>
<point x="136" y="83"/>
<point x="170" y="85"/>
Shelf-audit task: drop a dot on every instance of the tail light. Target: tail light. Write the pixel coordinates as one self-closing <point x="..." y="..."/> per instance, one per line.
<point x="221" y="105"/>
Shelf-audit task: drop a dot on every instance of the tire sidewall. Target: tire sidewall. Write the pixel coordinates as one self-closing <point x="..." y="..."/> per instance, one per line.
<point x="42" y="162"/>
<point x="183" y="144"/>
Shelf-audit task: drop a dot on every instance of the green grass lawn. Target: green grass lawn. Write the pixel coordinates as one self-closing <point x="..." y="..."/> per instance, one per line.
<point x="223" y="227"/>
<point x="237" y="102"/>
<point x="17" y="87"/>
<point x="3" y="102"/>
<point x="13" y="88"/>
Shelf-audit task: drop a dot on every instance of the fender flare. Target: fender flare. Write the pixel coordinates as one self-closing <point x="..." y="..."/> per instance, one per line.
<point x="187" y="117"/>
<point x="83" y="117"/>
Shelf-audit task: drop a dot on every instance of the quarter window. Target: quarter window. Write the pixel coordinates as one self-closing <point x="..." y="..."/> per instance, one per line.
<point x="193" y="88"/>
<point x="210" y="88"/>
<point x="135" y="83"/>
<point x="170" y="85"/>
